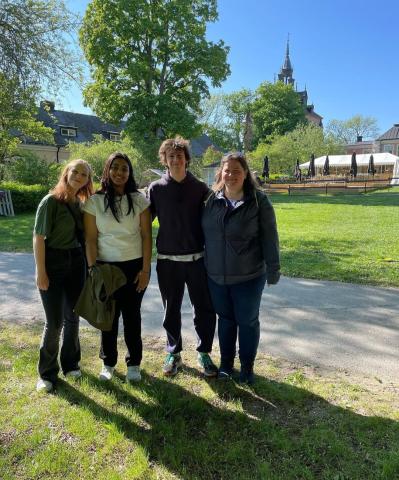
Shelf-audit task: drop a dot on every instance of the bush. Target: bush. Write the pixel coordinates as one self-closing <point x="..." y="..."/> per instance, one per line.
<point x="29" y="169"/>
<point x="25" y="198"/>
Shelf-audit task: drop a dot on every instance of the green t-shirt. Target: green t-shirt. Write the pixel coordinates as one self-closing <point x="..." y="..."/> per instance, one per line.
<point x="55" y="222"/>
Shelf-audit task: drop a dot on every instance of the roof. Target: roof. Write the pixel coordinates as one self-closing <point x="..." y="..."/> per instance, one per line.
<point x="391" y="134"/>
<point x="201" y="144"/>
<point x="361" y="159"/>
<point x="87" y="125"/>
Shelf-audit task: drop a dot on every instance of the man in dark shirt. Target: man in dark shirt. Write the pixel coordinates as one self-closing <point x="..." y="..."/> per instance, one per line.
<point x="177" y="199"/>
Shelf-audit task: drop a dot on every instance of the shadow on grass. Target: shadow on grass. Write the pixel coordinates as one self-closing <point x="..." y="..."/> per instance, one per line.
<point x="275" y="431"/>
<point x="366" y="199"/>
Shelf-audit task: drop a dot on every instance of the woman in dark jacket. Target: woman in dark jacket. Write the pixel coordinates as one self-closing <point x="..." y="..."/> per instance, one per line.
<point x="241" y="254"/>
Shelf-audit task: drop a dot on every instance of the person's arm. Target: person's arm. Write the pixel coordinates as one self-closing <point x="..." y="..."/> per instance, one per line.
<point x="270" y="241"/>
<point x="91" y="236"/>
<point x="143" y="277"/>
<point x="39" y="251"/>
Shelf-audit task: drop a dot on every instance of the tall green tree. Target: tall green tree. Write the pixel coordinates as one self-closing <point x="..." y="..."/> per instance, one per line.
<point x="151" y="63"/>
<point x="348" y="131"/>
<point x="36" y="44"/>
<point x="277" y="109"/>
<point x="36" y="58"/>
<point x="225" y="118"/>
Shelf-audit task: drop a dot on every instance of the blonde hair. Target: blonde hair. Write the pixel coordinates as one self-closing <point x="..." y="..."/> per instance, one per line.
<point x="61" y="191"/>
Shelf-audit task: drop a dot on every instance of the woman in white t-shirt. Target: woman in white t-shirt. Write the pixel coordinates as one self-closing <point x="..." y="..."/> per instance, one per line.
<point x="117" y="225"/>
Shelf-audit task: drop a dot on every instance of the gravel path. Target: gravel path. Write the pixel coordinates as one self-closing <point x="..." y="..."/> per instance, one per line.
<point x="326" y="324"/>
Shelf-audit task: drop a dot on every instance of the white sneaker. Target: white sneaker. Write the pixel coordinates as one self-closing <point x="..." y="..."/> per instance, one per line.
<point x="106" y="373"/>
<point x="74" y="374"/>
<point x="133" y="374"/>
<point x="44" y="386"/>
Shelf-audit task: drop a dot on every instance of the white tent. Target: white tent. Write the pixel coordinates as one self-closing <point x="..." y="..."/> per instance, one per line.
<point x="361" y="159"/>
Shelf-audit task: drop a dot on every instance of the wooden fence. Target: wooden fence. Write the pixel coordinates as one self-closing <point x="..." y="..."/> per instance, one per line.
<point x="6" y="207"/>
<point x="317" y="186"/>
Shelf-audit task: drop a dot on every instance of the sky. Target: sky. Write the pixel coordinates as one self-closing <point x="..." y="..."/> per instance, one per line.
<point x="344" y="51"/>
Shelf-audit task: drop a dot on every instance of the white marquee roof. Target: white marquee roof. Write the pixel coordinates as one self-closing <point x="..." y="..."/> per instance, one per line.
<point x="361" y="159"/>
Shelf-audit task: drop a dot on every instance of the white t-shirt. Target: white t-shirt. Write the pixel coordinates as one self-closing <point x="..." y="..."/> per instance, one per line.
<point x="118" y="241"/>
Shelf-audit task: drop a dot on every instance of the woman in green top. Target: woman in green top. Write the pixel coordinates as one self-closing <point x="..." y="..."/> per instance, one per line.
<point x="60" y="270"/>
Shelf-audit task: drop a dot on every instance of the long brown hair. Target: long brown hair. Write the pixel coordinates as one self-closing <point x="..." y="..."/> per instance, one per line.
<point x="249" y="185"/>
<point x="61" y="191"/>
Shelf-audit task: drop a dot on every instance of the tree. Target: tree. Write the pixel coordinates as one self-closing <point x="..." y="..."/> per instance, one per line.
<point x="151" y="63"/>
<point x="36" y="47"/>
<point x="284" y="150"/>
<point x="226" y="118"/>
<point x="348" y="131"/>
<point x="17" y="117"/>
<point x="35" y="57"/>
<point x="277" y="109"/>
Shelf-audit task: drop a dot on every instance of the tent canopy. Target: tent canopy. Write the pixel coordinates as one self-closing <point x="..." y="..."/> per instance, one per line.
<point x="361" y="159"/>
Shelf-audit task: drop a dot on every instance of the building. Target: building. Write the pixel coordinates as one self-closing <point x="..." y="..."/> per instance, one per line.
<point x="286" y="76"/>
<point x="68" y="127"/>
<point x="360" y="147"/>
<point x="389" y="141"/>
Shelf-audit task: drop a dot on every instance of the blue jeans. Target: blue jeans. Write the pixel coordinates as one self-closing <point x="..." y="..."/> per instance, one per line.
<point x="237" y="307"/>
<point x="66" y="272"/>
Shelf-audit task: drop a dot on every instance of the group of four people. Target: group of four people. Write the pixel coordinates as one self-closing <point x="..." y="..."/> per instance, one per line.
<point x="234" y="221"/>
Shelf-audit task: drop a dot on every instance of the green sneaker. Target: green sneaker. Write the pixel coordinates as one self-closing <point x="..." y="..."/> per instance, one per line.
<point x="172" y="364"/>
<point x="209" y="369"/>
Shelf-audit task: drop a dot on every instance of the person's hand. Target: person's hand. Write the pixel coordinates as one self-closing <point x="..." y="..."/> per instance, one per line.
<point x="42" y="280"/>
<point x="142" y="279"/>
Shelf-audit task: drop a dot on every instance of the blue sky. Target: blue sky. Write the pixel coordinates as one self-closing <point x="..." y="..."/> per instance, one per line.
<point x="345" y="52"/>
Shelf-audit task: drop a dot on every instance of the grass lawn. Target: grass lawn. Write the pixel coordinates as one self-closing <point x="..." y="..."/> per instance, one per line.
<point x="295" y="423"/>
<point x="350" y="238"/>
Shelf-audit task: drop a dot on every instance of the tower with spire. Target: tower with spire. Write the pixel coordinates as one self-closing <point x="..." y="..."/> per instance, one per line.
<point x="286" y="76"/>
<point x="286" y="71"/>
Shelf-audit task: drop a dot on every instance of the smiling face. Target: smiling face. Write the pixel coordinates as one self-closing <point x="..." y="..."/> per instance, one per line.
<point x="119" y="174"/>
<point x="233" y="176"/>
<point x="78" y="176"/>
<point x="176" y="161"/>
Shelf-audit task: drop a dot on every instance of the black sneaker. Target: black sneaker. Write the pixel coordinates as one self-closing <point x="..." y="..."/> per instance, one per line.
<point x="172" y="364"/>
<point x="225" y="372"/>
<point x="209" y="369"/>
<point x="247" y="374"/>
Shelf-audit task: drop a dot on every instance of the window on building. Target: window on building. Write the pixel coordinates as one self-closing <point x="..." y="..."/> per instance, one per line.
<point x="388" y="148"/>
<point x="68" y="132"/>
<point x="114" y="137"/>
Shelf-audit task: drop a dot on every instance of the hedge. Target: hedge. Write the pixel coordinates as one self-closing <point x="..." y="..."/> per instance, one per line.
<point x="25" y="198"/>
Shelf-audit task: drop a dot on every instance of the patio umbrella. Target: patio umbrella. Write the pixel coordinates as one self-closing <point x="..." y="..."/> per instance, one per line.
<point x="371" y="168"/>
<point x="297" y="172"/>
<point x="265" y="172"/>
<point x="312" y="170"/>
<point x="353" y="165"/>
<point x="326" y="168"/>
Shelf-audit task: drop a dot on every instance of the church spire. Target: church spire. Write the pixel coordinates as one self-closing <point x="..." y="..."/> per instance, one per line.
<point x="286" y="71"/>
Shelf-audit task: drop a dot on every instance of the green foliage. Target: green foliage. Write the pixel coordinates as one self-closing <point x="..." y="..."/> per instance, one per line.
<point x="284" y="150"/>
<point x="226" y="119"/>
<point x="17" y="117"/>
<point x="25" y="198"/>
<point x="211" y="156"/>
<point x="28" y="168"/>
<point x="347" y="131"/>
<point x="276" y="110"/>
<point x="35" y="47"/>
<point x="97" y="152"/>
<point x="151" y="63"/>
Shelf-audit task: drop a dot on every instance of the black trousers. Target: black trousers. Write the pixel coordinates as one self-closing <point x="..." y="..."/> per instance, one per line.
<point x="172" y="278"/>
<point x="66" y="272"/>
<point x="128" y="302"/>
